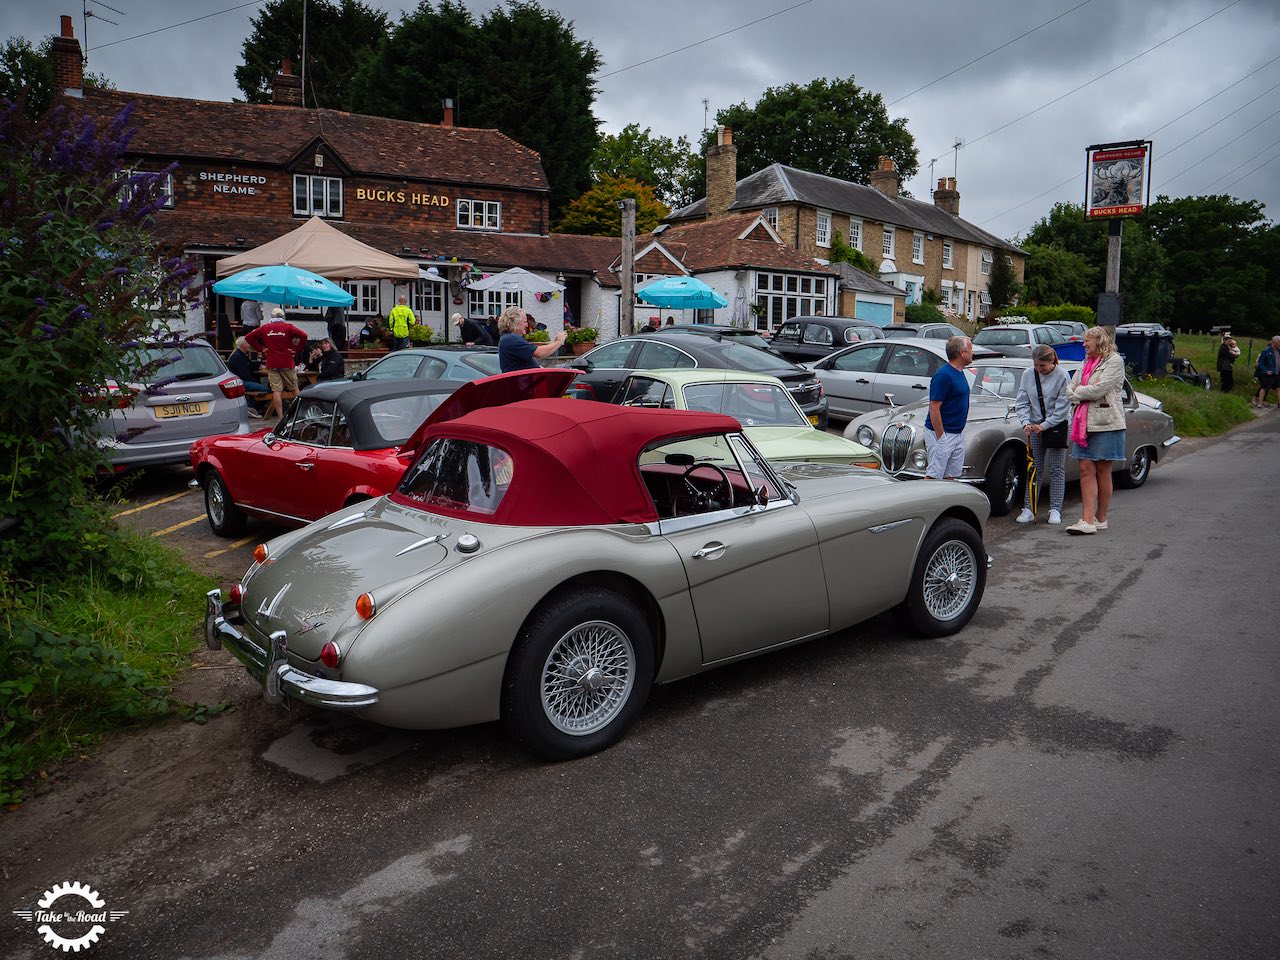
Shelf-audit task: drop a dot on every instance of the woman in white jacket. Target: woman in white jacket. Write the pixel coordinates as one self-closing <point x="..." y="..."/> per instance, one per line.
<point x="1042" y="405"/>
<point x="1097" y="427"/>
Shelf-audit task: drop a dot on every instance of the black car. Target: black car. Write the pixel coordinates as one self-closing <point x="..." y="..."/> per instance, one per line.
<point x="719" y="331"/>
<point x="811" y="338"/>
<point x="930" y="331"/>
<point x="604" y="369"/>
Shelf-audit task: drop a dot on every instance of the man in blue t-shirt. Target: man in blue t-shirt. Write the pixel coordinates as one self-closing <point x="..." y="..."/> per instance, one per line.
<point x="514" y="351"/>
<point x="948" y="412"/>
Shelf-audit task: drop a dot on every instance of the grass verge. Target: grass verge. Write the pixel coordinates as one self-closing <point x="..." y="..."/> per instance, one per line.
<point x="94" y="653"/>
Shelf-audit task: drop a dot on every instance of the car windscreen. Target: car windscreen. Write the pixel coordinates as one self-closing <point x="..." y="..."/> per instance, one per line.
<point x="167" y="364"/>
<point x="395" y="418"/>
<point x="748" y="338"/>
<point x="751" y="404"/>
<point x="484" y="362"/>
<point x="899" y="333"/>
<point x="459" y="475"/>
<point x="1001" y="338"/>
<point x="996" y="381"/>
<point x="757" y="361"/>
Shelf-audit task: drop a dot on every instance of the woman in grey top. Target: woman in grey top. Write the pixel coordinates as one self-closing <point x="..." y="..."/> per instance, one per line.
<point x="1036" y="419"/>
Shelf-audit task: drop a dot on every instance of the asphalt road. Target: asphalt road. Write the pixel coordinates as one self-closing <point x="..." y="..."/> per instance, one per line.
<point x="1088" y="770"/>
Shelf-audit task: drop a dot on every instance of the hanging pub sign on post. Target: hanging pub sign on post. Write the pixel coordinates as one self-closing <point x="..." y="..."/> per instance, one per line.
<point x="1118" y="179"/>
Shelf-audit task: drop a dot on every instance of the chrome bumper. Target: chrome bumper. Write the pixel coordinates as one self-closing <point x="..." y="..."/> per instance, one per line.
<point x="271" y="667"/>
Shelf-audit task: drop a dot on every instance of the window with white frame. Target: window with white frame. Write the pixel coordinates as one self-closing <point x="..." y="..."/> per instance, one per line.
<point x="480" y="214"/>
<point x="427" y="297"/>
<point x="781" y="296"/>
<point x="824" y="228"/>
<point x="855" y="233"/>
<point x="317" y="196"/>
<point x="770" y="215"/>
<point x="366" y="297"/>
<point x="917" y="248"/>
<point x="128" y="190"/>
<point x="887" y="243"/>
<point x="946" y="254"/>
<point x="986" y="263"/>
<point x="490" y="303"/>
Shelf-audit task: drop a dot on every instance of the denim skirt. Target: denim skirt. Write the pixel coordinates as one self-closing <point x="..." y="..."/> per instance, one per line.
<point x="1104" y="445"/>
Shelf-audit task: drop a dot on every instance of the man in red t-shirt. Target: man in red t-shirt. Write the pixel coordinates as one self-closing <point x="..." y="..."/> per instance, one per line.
<point x="279" y="341"/>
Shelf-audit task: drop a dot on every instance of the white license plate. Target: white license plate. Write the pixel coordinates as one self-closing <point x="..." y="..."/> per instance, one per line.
<point x="813" y="418"/>
<point x="171" y="410"/>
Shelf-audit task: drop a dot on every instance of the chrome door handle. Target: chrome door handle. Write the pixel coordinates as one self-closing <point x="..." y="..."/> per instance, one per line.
<point x="710" y="552"/>
<point x="304" y="465"/>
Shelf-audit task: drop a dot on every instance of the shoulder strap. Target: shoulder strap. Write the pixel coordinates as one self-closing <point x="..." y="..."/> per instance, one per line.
<point x="1044" y="414"/>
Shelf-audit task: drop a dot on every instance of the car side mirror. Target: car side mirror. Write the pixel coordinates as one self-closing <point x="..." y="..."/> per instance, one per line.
<point x="270" y="439"/>
<point x="762" y="496"/>
<point x="888" y="398"/>
<point x="358" y="375"/>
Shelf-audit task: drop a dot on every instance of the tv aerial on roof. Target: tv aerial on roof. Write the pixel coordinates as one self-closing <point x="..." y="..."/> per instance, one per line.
<point x="87" y="13"/>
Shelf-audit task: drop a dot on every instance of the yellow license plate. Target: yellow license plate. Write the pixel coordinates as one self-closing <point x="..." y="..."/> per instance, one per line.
<point x="813" y="420"/>
<point x="181" y="410"/>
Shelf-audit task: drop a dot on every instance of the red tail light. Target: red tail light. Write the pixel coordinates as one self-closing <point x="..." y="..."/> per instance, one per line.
<point x="330" y="654"/>
<point x="235" y="594"/>
<point x="232" y="387"/>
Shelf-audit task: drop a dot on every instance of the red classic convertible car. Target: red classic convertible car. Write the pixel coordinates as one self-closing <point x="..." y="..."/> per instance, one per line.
<point x="340" y="443"/>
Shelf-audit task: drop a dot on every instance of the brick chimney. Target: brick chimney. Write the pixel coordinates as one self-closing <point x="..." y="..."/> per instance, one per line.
<point x="448" y="113"/>
<point x="722" y="174"/>
<point x="68" y="62"/>
<point x="947" y="197"/>
<point x="286" y="89"/>
<point x="886" y="178"/>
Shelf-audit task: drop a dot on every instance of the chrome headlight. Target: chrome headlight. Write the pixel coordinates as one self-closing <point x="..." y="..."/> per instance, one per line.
<point x="866" y="436"/>
<point x="919" y="460"/>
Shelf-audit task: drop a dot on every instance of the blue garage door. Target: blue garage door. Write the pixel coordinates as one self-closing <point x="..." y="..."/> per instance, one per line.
<point x="878" y="313"/>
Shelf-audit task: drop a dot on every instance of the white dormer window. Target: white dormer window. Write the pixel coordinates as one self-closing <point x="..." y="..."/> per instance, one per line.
<point x="946" y="254"/>
<point x="770" y="215"/>
<point x="824" y="229"/>
<point x="887" y="243"/>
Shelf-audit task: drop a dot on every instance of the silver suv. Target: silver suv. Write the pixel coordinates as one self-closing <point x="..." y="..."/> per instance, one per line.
<point x="176" y="395"/>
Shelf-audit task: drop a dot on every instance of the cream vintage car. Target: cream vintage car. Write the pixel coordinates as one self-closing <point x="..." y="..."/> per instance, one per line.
<point x="545" y="562"/>
<point x="995" y="455"/>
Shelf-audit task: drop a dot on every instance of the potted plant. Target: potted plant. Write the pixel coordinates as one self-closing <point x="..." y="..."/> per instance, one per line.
<point x="420" y="335"/>
<point x="538" y="336"/>
<point x="581" y="339"/>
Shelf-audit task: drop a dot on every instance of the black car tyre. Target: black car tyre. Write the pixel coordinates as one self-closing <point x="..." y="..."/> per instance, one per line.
<point x="948" y="581"/>
<point x="225" y="518"/>
<point x="1137" y="470"/>
<point x="579" y="674"/>
<point x="1005" y="477"/>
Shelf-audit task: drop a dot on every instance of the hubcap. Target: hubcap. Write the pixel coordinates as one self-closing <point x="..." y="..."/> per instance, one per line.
<point x="588" y="677"/>
<point x="950" y="579"/>
<point x="217" y="504"/>
<point x="1138" y="466"/>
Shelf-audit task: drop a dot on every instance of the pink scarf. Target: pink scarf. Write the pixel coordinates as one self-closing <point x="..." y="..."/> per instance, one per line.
<point x="1080" y="420"/>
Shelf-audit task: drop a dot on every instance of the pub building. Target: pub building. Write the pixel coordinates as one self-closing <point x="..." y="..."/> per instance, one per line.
<point x="457" y="201"/>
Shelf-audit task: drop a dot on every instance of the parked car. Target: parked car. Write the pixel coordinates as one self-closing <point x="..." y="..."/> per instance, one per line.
<point x="857" y="378"/>
<point x="176" y="395"/>
<point x="770" y="418"/>
<point x="995" y="446"/>
<point x="1071" y="329"/>
<point x="1017" y="339"/>
<point x="602" y="371"/>
<point x="338" y="443"/>
<point x="812" y="338"/>
<point x="546" y="563"/>
<point x="719" y="331"/>
<point x="930" y="331"/>
<point x="1157" y="328"/>
<point x="434" y="363"/>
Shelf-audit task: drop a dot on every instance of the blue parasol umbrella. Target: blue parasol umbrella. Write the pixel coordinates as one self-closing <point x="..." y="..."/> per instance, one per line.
<point x="681" y="293"/>
<point x="285" y="285"/>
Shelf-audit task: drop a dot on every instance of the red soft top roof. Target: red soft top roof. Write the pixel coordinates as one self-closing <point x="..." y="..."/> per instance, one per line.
<point x="576" y="461"/>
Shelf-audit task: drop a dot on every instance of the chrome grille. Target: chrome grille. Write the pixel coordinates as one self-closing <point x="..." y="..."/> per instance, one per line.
<point x="895" y="446"/>
<point x="805" y="393"/>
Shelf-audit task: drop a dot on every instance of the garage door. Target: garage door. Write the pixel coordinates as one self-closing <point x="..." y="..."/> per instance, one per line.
<point x="878" y="313"/>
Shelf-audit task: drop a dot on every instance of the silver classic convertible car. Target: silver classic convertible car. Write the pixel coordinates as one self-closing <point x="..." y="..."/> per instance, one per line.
<point x="545" y="562"/>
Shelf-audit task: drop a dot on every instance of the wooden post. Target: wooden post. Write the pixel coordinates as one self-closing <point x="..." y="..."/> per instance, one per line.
<point x="627" y="311"/>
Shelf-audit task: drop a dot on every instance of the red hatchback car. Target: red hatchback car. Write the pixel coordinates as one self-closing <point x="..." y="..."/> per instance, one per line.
<point x="339" y="443"/>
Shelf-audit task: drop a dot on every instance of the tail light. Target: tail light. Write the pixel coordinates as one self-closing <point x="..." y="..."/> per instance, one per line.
<point x="330" y="655"/>
<point x="260" y="553"/>
<point x="235" y="594"/>
<point x="111" y="396"/>
<point x="580" y="391"/>
<point x="232" y="387"/>
<point x="821" y="392"/>
<point x="365" y="606"/>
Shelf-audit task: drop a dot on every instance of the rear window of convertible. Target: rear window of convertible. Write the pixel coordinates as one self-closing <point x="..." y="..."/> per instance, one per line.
<point x="459" y="475"/>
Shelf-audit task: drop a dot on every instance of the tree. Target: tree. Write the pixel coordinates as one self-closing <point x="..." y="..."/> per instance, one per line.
<point x="832" y="127"/>
<point x="1053" y="276"/>
<point x="669" y="166"/>
<point x="24" y="69"/>
<point x="338" y="36"/>
<point x="1002" y="285"/>
<point x="80" y="283"/>
<point x="596" y="211"/>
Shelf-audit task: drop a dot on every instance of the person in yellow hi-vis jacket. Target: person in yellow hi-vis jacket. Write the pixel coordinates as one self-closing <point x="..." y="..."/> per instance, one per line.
<point x="400" y="320"/>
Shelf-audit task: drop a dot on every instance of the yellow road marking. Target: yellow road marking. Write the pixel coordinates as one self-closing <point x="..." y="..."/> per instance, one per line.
<point x="154" y="503"/>
<point x="229" y="547"/>
<point x="177" y="526"/>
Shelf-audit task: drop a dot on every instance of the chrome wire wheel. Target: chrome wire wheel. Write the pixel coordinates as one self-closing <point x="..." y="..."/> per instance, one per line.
<point x="588" y="677"/>
<point x="950" y="579"/>
<point x="215" y="501"/>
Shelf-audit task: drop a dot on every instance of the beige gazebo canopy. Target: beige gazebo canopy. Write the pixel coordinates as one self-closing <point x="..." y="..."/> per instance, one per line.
<point x="323" y="249"/>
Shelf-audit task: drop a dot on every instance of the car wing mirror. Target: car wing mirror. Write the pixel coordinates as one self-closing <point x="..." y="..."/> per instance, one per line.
<point x="762" y="496"/>
<point x="888" y="398"/>
<point x="1008" y="413"/>
<point x="270" y="439"/>
<point x="358" y="375"/>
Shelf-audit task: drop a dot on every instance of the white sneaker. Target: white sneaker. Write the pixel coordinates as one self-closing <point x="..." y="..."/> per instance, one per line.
<point x="1026" y="516"/>
<point x="1055" y="517"/>
<point x="1101" y="524"/>
<point x="1080" y="526"/>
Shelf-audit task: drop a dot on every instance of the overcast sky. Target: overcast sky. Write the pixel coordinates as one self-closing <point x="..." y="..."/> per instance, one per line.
<point x="1227" y="145"/>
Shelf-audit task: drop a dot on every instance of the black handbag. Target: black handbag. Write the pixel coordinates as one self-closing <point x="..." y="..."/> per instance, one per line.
<point x="1055" y="437"/>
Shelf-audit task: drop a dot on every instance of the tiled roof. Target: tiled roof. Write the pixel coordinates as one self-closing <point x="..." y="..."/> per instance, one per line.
<point x="777" y="184"/>
<point x="715" y="245"/>
<point x="851" y="278"/>
<point x="271" y="134"/>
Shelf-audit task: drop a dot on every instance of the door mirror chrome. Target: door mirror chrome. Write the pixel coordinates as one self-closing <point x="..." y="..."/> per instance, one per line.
<point x="888" y="398"/>
<point x="270" y="439"/>
<point x="762" y="496"/>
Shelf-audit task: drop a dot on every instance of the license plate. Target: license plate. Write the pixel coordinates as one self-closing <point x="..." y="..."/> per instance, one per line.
<point x="181" y="410"/>
<point x="813" y="418"/>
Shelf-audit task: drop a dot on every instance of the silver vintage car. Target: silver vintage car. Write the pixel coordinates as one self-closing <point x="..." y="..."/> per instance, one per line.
<point x="545" y="562"/>
<point x="995" y="455"/>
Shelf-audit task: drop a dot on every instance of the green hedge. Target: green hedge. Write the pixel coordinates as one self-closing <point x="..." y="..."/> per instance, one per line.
<point x="1064" y="311"/>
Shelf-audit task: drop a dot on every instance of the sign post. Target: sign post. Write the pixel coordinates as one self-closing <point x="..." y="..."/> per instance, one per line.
<point x="1118" y="185"/>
